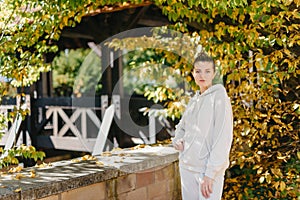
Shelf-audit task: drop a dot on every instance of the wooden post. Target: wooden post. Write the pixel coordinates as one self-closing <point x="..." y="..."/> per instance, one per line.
<point x="106" y="79"/>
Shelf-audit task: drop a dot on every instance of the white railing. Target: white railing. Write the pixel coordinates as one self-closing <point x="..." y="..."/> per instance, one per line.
<point x="4" y="110"/>
<point x="70" y="129"/>
<point x="80" y="140"/>
<point x="82" y="113"/>
<point x="9" y="133"/>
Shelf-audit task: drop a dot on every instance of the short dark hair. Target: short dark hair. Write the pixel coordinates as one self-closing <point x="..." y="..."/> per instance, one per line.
<point x="203" y="57"/>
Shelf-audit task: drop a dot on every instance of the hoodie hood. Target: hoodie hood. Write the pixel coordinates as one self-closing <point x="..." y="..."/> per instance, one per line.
<point x="210" y="90"/>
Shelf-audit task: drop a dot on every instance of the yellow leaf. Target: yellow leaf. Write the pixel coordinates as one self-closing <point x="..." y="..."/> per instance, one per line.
<point x="259" y="171"/>
<point x="256" y="166"/>
<point x="88" y="157"/>
<point x="276" y="185"/>
<point x="240" y="196"/>
<point x="268" y="178"/>
<point x="298" y="155"/>
<point x="270" y="194"/>
<point x="75" y="160"/>
<point x="116" y="149"/>
<point x="188" y="78"/>
<point x="19" y="176"/>
<point x="106" y="153"/>
<point x="18" y="190"/>
<point x="32" y="174"/>
<point x="282" y="186"/>
<point x="65" y="21"/>
<point x="277" y="172"/>
<point x="281" y="157"/>
<point x="43" y="165"/>
<point x="261" y="179"/>
<point x="15" y="169"/>
<point x="61" y="26"/>
<point x="99" y="163"/>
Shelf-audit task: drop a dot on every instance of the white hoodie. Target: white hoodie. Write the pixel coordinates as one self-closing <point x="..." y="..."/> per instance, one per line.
<point x="206" y="128"/>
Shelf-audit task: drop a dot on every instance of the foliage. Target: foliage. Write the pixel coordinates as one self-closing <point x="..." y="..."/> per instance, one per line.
<point x="262" y="153"/>
<point x="156" y="72"/>
<point x="257" y="45"/>
<point x="66" y="68"/>
<point x="29" y="30"/>
<point x="146" y="72"/>
<point x="155" y="66"/>
<point x="6" y="90"/>
<point x="15" y="154"/>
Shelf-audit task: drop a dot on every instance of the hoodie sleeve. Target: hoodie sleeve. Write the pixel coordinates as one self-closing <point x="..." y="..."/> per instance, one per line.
<point x="222" y="136"/>
<point x="179" y="131"/>
<point x="180" y="127"/>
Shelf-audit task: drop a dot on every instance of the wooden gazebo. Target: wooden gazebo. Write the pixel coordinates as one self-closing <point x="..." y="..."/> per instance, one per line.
<point x="92" y="30"/>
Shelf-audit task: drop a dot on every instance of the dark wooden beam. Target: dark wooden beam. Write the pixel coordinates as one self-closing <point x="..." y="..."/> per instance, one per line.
<point x="136" y="18"/>
<point x="118" y="7"/>
<point x="72" y="34"/>
<point x="153" y="22"/>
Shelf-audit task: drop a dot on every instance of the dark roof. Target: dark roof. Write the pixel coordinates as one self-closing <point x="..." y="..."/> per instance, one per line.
<point x="108" y="21"/>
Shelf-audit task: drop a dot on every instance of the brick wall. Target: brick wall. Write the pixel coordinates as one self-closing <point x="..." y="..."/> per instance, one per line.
<point x="159" y="183"/>
<point x="148" y="173"/>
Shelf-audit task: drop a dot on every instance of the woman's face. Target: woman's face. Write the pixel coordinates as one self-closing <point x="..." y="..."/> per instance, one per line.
<point x="204" y="74"/>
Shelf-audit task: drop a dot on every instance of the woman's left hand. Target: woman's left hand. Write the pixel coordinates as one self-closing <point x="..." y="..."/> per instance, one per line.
<point x="206" y="186"/>
<point x="179" y="145"/>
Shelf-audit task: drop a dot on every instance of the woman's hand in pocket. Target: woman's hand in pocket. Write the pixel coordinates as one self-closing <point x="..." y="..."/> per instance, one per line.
<point x="179" y="145"/>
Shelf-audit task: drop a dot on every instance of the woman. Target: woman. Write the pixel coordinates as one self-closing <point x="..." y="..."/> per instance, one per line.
<point x="204" y="136"/>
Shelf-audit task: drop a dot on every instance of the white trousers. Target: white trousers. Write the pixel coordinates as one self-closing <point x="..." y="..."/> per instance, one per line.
<point x="191" y="189"/>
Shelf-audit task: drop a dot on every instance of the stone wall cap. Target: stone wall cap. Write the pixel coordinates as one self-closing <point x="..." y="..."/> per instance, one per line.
<point x="66" y="175"/>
